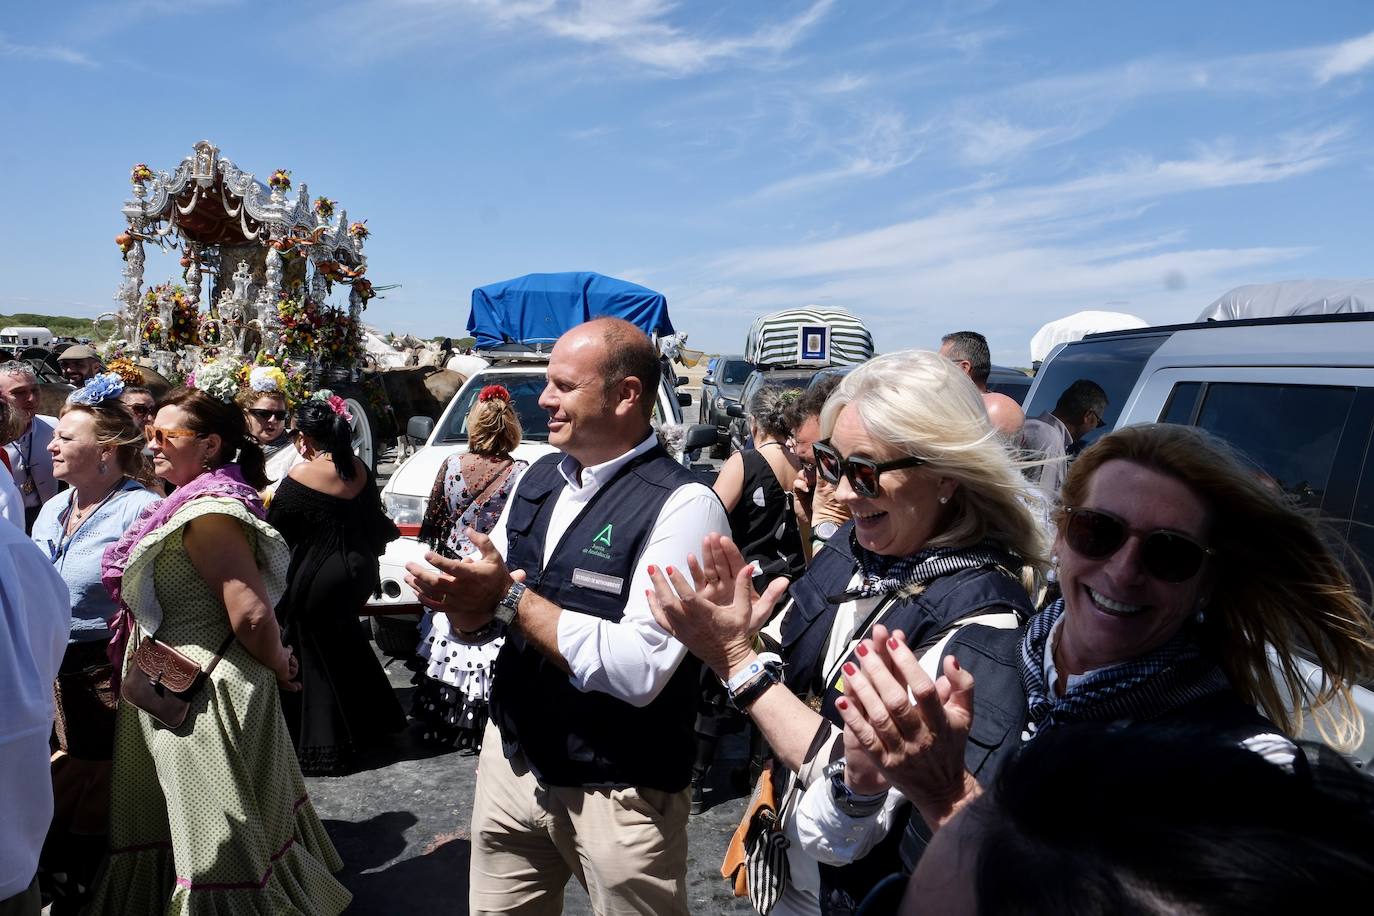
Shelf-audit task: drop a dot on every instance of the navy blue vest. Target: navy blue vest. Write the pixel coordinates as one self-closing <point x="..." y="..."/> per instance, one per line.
<point x="571" y="737"/>
<point x="922" y="618"/>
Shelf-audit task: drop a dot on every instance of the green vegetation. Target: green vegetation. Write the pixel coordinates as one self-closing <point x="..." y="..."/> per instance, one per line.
<point x="60" y="325"/>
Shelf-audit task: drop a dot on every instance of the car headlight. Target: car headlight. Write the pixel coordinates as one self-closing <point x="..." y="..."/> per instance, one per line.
<point x="405" y="510"/>
<point x="722" y="403"/>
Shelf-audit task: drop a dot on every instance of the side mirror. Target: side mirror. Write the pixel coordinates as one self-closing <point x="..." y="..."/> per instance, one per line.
<point x="709" y="379"/>
<point x="736" y="411"/>
<point x="420" y="428"/>
<point x="684" y="399"/>
<point x="681" y="380"/>
<point x="699" y="435"/>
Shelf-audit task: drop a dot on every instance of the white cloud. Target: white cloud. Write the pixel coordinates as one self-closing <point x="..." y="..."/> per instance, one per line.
<point x="1008" y="260"/>
<point x="842" y="83"/>
<point x="1347" y="58"/>
<point x="880" y="144"/>
<point x="55" y="53"/>
<point x="640" y="31"/>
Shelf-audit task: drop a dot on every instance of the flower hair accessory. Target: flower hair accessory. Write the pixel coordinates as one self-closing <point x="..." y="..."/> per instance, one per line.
<point x="219" y="379"/>
<point x="494" y="391"/>
<point x="267" y="380"/>
<point x="336" y="403"/>
<point x="126" y="370"/>
<point x="107" y="386"/>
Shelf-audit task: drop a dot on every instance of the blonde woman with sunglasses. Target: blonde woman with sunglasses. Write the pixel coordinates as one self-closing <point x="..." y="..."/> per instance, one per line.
<point x="213" y="813"/>
<point x="940" y="537"/>
<point x="1189" y="581"/>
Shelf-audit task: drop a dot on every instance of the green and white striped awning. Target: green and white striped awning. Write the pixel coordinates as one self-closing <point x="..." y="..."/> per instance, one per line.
<point x="776" y="339"/>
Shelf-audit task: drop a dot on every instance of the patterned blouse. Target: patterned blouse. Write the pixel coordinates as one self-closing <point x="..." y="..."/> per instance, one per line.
<point x="456" y="504"/>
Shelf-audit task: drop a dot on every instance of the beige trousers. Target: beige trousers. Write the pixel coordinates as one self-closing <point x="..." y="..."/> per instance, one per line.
<point x="627" y="847"/>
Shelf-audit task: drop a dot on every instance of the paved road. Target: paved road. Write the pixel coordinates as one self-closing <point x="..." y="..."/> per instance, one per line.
<point x="401" y="825"/>
<point x="401" y="822"/>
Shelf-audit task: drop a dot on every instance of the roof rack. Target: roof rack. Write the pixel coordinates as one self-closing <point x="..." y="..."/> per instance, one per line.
<point x="1233" y="323"/>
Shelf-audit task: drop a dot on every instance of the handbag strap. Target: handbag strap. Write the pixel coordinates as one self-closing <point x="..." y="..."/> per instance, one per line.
<point x="223" y="647"/>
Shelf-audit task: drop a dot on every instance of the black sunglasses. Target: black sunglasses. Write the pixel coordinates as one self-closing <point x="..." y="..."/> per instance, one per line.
<point x="863" y="473"/>
<point x="1167" y="555"/>
<point x="265" y="415"/>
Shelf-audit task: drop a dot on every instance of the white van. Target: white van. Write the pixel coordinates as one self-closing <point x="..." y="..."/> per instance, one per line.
<point x="19" y="338"/>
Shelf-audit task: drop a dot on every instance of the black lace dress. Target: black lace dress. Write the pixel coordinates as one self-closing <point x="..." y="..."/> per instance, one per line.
<point x="346" y="702"/>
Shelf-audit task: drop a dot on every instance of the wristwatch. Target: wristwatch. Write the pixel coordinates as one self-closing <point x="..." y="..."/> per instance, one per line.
<point x="749" y="684"/>
<point x="846" y="799"/>
<point x="509" y="606"/>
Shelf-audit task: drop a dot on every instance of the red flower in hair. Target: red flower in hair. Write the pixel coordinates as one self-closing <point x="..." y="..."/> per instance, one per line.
<point x="493" y="391"/>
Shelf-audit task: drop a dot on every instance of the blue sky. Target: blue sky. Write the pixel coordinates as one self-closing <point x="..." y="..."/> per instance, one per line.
<point x="932" y="166"/>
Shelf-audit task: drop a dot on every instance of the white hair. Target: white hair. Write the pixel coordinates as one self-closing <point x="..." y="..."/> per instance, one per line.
<point x="19" y="367"/>
<point x="923" y="405"/>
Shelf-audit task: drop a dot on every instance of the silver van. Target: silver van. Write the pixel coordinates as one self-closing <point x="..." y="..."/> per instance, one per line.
<point x="1296" y="395"/>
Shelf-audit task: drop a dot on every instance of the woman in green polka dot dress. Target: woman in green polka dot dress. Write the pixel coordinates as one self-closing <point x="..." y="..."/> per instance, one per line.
<point x="211" y="817"/>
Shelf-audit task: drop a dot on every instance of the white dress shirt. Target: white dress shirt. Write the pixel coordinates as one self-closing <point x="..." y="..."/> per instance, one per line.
<point x="32" y="463"/>
<point x="35" y="614"/>
<point x="632" y="658"/>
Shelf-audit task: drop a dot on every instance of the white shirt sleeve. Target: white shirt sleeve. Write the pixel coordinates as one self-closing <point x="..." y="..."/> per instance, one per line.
<point x="11" y="500"/>
<point x="835" y="838"/>
<point x="633" y="658"/>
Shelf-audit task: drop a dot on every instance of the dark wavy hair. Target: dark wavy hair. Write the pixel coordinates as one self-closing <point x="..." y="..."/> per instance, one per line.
<point x="224" y="419"/>
<point x="330" y="432"/>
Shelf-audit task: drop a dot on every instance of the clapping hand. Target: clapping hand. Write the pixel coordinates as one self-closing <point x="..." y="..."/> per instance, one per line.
<point x="911" y="729"/>
<point x="717" y="615"/>
<point x="466" y="590"/>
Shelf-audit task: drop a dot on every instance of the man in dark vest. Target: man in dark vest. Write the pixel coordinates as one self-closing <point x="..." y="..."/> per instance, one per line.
<point x="588" y="755"/>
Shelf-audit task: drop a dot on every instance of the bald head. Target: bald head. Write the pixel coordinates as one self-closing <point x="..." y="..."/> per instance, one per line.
<point x="626" y="352"/>
<point x="1004" y="414"/>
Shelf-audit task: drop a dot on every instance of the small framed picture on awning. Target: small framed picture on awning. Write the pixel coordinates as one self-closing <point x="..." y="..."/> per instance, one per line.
<point x="813" y="344"/>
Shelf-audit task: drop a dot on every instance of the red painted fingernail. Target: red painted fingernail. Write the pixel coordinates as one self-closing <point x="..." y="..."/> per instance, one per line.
<point x="849" y="669"/>
<point x="862" y="650"/>
<point x="653" y="570"/>
<point x="892" y="642"/>
<point x="841" y="703"/>
<point x="671" y="571"/>
<point x="956" y="663"/>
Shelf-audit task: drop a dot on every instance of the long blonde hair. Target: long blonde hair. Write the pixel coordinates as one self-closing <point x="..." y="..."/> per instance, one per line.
<point x="1277" y="581"/>
<point x="923" y="405"/>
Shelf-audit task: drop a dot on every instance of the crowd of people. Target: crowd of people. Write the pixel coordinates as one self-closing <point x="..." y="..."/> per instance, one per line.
<point x="983" y="667"/>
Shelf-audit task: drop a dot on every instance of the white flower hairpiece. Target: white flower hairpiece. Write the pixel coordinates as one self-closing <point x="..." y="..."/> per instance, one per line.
<point x="219" y="379"/>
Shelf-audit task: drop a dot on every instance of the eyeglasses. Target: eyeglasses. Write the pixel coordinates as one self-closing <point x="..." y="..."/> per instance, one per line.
<point x="159" y="435"/>
<point x="1167" y="555"/>
<point x="140" y="410"/>
<point x="265" y="415"/>
<point x="863" y="473"/>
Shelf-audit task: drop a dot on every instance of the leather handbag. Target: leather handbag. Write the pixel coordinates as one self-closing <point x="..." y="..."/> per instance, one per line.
<point x="162" y="681"/>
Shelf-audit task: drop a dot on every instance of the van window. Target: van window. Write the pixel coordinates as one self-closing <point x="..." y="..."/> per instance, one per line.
<point x="1181" y="401"/>
<point x="1291" y="432"/>
<point x="1114" y="363"/>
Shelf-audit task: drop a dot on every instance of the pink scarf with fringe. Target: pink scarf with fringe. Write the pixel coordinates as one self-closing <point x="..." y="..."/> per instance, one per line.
<point x="224" y="481"/>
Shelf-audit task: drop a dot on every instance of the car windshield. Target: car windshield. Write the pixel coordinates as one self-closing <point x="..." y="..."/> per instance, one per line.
<point x="1114" y="363"/>
<point x="524" y="389"/>
<point x="736" y="371"/>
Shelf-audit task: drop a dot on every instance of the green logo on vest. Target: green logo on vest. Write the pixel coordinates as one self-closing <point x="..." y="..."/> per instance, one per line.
<point x="601" y="544"/>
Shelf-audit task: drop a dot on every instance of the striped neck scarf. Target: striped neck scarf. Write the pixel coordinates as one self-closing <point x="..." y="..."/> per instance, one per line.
<point x="883" y="575"/>
<point x="1143" y="688"/>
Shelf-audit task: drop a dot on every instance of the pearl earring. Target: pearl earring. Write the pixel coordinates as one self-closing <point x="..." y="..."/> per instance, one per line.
<point x="943" y="500"/>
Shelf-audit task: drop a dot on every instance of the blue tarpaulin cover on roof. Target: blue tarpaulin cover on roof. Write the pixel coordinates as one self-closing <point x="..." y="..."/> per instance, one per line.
<point x="537" y="308"/>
